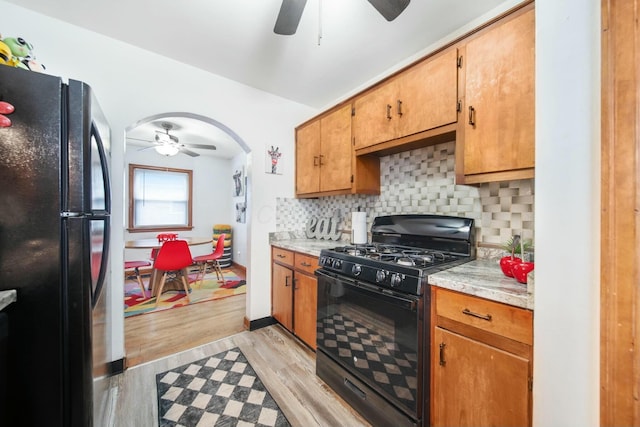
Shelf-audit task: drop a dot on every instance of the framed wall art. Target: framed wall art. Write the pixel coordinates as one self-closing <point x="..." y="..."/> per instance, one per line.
<point x="273" y="160"/>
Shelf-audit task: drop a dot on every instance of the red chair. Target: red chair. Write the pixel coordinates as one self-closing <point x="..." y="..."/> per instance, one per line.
<point x="174" y="255"/>
<point x="213" y="258"/>
<point x="135" y="266"/>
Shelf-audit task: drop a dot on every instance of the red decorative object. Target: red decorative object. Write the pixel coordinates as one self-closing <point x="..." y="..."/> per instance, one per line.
<point x="506" y="264"/>
<point x="5" y="108"/>
<point x="520" y="271"/>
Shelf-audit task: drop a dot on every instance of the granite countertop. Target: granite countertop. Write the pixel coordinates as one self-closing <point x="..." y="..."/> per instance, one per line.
<point x="484" y="278"/>
<point x="7" y="297"/>
<point x="306" y="246"/>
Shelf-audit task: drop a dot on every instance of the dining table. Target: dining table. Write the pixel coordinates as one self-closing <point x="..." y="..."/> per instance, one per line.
<point x="156" y="275"/>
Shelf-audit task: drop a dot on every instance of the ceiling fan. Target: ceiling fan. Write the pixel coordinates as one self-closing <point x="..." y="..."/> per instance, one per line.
<point x="291" y="12"/>
<point x="170" y="145"/>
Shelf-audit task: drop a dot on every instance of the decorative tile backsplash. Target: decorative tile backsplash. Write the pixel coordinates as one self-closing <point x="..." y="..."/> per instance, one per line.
<point x="423" y="181"/>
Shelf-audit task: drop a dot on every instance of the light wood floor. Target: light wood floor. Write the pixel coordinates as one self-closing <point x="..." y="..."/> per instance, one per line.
<point x="155" y="335"/>
<point x="284" y="364"/>
<point x="157" y="342"/>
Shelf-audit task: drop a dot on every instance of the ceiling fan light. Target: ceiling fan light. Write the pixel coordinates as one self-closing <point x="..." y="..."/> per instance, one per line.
<point x="167" y="150"/>
<point x="163" y="138"/>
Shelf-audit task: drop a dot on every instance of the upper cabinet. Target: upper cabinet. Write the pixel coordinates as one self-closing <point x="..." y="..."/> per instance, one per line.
<point x="421" y="98"/>
<point x="325" y="160"/>
<point x="498" y="138"/>
<point x="478" y="91"/>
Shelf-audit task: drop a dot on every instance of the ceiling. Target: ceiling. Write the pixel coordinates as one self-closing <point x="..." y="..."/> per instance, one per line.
<point x="235" y="38"/>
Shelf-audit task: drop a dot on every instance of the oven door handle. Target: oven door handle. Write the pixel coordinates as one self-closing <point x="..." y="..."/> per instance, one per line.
<point x="388" y="296"/>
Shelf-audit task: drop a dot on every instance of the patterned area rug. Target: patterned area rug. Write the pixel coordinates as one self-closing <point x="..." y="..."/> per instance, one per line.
<point x="135" y="303"/>
<point x="221" y="390"/>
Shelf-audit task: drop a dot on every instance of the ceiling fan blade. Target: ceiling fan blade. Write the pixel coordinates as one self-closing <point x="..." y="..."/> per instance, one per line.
<point x="289" y="17"/>
<point x="189" y="152"/>
<point x="141" y="140"/>
<point x="146" y="148"/>
<point x="390" y="9"/>
<point x="201" y="146"/>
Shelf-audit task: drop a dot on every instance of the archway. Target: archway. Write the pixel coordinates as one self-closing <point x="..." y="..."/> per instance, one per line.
<point x="135" y="152"/>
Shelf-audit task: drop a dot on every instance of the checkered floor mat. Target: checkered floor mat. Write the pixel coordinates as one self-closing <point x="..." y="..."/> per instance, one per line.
<point x="375" y="356"/>
<point x="221" y="390"/>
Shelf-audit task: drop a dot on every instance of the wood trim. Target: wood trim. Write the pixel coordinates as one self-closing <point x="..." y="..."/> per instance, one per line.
<point x="620" y="237"/>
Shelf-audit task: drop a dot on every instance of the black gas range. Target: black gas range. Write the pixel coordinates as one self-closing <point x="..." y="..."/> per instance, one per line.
<point x="373" y="314"/>
<point x="405" y="249"/>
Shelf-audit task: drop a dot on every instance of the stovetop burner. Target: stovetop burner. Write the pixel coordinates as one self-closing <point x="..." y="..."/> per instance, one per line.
<point x="414" y="257"/>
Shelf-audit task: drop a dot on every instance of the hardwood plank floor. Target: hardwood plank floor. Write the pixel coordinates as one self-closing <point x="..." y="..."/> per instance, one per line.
<point x="154" y="335"/>
<point x="285" y="365"/>
<point x="157" y="342"/>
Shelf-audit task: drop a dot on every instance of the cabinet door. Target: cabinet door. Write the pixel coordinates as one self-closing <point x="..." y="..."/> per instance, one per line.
<point x="336" y="150"/>
<point x="428" y="94"/>
<point x="305" y="308"/>
<point x="477" y="385"/>
<point x="499" y="98"/>
<point x="375" y="120"/>
<point x="282" y="295"/>
<point x="308" y="158"/>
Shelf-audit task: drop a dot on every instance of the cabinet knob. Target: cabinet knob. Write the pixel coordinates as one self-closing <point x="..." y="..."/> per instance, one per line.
<point x="389" y="111"/>
<point x="400" y="107"/>
<point x="442" y="361"/>
<point x="315" y="160"/>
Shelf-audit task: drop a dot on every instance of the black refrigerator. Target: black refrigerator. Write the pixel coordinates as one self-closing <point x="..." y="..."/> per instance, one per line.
<point x="54" y="244"/>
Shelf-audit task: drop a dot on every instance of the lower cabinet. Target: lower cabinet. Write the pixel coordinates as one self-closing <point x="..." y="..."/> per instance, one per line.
<point x="481" y="362"/>
<point x="294" y="290"/>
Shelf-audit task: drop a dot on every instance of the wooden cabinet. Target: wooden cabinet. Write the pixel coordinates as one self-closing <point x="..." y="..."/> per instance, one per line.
<point x="420" y="98"/>
<point x="481" y="362"/>
<point x="282" y="287"/>
<point x="497" y="139"/>
<point x="325" y="160"/>
<point x="294" y="293"/>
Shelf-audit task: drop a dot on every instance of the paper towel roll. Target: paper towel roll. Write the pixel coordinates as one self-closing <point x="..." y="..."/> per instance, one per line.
<point x="358" y="228"/>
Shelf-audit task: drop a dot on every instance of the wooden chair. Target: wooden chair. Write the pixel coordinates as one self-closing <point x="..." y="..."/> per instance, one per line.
<point x="174" y="255"/>
<point x="213" y="258"/>
<point x="135" y="266"/>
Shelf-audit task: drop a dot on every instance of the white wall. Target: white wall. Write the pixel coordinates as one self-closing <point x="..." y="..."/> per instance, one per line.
<point x="132" y="84"/>
<point x="212" y="195"/>
<point x="566" y="325"/>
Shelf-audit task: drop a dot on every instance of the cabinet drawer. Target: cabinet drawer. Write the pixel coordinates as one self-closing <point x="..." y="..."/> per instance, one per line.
<point x="282" y="256"/>
<point x="306" y="263"/>
<point x="501" y="319"/>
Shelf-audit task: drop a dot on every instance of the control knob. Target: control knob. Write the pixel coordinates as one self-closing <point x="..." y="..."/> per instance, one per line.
<point x="337" y="263"/>
<point x="396" y="279"/>
<point x="381" y="275"/>
<point x="356" y="269"/>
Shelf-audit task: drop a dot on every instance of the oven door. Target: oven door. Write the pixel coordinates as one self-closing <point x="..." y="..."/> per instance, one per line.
<point x="374" y="335"/>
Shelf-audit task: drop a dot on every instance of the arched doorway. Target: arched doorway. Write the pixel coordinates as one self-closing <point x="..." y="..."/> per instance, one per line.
<point x="212" y="191"/>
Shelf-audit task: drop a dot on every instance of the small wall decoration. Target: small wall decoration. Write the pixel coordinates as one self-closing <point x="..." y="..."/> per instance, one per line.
<point x="273" y="163"/>
<point x="241" y="212"/>
<point x="238" y="182"/>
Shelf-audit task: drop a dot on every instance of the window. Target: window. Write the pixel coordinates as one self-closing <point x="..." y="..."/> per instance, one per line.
<point x="159" y="198"/>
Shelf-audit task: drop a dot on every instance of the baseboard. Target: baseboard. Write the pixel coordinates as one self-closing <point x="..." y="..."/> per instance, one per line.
<point x="241" y="268"/>
<point x="259" y="323"/>
<point x="116" y="366"/>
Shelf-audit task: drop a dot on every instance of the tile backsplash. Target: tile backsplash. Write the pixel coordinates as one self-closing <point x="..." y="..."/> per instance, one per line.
<point x="423" y="181"/>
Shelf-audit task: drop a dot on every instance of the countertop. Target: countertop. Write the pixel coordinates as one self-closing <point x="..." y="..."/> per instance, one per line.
<point x="7" y="297"/>
<point x="482" y="278"/>
<point x="307" y="246"/>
